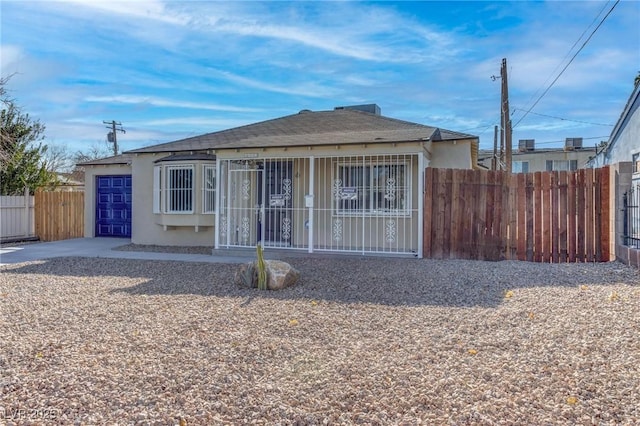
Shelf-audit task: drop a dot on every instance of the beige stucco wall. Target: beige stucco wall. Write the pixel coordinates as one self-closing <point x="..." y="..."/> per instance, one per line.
<point x="166" y="230"/>
<point x="451" y="155"/>
<point x="180" y="229"/>
<point x="90" y="174"/>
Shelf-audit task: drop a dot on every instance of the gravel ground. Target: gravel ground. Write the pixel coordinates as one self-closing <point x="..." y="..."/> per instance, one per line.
<point x="357" y="341"/>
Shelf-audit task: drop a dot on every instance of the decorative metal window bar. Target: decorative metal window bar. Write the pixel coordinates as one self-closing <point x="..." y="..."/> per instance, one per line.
<point x="631" y="213"/>
<point x="364" y="204"/>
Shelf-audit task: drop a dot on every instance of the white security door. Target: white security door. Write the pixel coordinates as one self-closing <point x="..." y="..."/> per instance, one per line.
<point x="242" y="215"/>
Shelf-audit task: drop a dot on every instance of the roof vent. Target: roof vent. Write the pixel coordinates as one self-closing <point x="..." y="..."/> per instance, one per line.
<point x="526" y="145"/>
<point x="572" y="143"/>
<point x="304" y="111"/>
<point x="370" y="108"/>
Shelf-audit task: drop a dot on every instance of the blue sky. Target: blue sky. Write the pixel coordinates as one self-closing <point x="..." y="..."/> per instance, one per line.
<point x="173" y="69"/>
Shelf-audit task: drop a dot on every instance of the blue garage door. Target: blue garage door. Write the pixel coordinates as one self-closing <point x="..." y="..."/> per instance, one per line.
<point x="113" y="206"/>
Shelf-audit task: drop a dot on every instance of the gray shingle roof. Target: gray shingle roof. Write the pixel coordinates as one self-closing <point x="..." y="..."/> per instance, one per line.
<point x="116" y="159"/>
<point x="307" y="128"/>
<point x="186" y="157"/>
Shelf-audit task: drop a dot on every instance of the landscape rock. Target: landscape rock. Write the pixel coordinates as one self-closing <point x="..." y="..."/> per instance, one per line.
<point x="246" y="275"/>
<point x="280" y="275"/>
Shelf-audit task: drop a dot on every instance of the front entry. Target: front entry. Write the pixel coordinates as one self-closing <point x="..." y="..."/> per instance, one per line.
<point x="259" y="205"/>
<point x="277" y="202"/>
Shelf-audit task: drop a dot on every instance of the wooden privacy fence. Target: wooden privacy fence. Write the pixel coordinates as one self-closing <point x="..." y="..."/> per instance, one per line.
<point x="493" y="215"/>
<point x="59" y="215"/>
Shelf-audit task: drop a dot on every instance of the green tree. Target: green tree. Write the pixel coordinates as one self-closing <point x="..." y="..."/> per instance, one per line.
<point x="22" y="152"/>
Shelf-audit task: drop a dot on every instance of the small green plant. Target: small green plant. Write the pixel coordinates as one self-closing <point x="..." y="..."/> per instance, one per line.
<point x="262" y="269"/>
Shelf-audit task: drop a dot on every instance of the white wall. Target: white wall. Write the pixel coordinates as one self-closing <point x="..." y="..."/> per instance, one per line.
<point x="627" y="142"/>
<point x="625" y="138"/>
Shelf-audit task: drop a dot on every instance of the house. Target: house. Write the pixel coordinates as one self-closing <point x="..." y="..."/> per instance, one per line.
<point x="624" y="141"/>
<point x="73" y="181"/>
<point x="528" y="159"/>
<point x="343" y="180"/>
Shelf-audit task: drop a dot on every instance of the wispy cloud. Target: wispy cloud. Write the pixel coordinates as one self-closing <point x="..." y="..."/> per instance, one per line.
<point x="162" y="67"/>
<point x="168" y="103"/>
<point x="342" y="37"/>
<point x="307" y="89"/>
<point x="148" y="9"/>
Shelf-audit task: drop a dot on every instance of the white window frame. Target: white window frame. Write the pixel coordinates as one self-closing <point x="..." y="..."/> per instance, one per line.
<point x="517" y="166"/>
<point x="208" y="189"/>
<point x="157" y="190"/>
<point x="168" y="194"/>
<point x="371" y="209"/>
<point x="562" y="165"/>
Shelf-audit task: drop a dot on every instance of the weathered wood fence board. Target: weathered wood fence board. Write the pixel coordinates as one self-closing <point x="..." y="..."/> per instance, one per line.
<point x="542" y="217"/>
<point x="59" y="215"/>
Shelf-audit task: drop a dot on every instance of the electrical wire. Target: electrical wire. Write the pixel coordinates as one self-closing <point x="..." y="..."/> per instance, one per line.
<point x="567" y="54"/>
<point x="564" y="119"/>
<point x="553" y="142"/>
<point x="562" y="141"/>
<point x="567" y="65"/>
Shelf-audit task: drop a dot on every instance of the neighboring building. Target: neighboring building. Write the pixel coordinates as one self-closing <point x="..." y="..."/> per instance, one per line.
<point x="73" y="181"/>
<point x="624" y="141"/>
<point x="345" y="180"/>
<point x="528" y="159"/>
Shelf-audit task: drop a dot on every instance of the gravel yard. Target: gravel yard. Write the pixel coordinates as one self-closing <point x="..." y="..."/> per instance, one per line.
<point x="358" y="341"/>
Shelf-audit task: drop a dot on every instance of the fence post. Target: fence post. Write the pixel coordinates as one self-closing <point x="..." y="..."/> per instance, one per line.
<point x="622" y="177"/>
<point x="25" y="218"/>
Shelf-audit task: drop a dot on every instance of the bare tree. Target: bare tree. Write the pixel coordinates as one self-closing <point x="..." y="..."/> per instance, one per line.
<point x="94" y="152"/>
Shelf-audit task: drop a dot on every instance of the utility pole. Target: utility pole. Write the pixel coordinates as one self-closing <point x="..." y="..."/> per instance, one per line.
<point x="494" y="159"/>
<point x="505" y="115"/>
<point x="505" y="120"/>
<point x="111" y="136"/>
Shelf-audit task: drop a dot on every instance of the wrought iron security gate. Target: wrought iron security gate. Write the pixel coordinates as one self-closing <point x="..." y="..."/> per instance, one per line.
<point x="363" y="204"/>
<point x="631" y="213"/>
<point x="368" y="204"/>
<point x="256" y="203"/>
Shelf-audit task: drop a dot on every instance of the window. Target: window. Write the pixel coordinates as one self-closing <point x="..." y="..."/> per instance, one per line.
<point x="185" y="187"/>
<point x="179" y="189"/>
<point x="208" y="189"/>
<point x="520" y="167"/>
<point x="635" y="162"/>
<point x="562" y="165"/>
<point x="371" y="189"/>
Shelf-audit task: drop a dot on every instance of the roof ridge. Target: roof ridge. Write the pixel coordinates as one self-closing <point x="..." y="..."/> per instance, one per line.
<point x="306" y="127"/>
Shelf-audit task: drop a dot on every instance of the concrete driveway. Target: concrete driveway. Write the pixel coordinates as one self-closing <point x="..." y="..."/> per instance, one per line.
<point x="98" y="247"/>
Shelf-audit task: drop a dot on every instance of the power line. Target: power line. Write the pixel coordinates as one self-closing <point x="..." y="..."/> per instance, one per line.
<point x="567" y="54"/>
<point x="562" y="141"/>
<point x="564" y="119"/>
<point x="568" y="63"/>
<point x="483" y="127"/>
